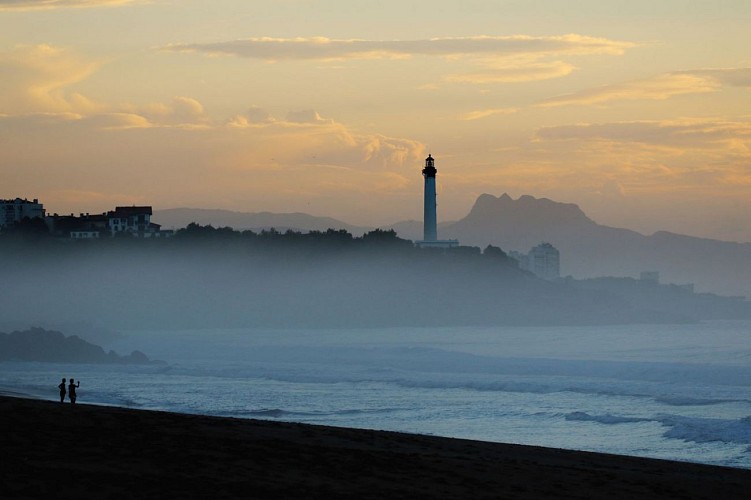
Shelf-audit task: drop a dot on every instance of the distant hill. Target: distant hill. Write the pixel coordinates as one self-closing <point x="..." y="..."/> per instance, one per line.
<point x="178" y="218"/>
<point x="590" y="250"/>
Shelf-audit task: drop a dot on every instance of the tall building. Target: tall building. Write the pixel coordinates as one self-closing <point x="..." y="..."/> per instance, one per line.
<point x="12" y="211"/>
<point x="430" y="217"/>
<point x="544" y="261"/>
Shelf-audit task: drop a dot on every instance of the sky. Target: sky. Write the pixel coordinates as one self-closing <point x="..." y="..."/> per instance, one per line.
<point x="638" y="111"/>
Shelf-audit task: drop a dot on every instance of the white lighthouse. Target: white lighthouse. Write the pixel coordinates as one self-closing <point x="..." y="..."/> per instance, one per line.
<point x="430" y="218"/>
<point x="430" y="223"/>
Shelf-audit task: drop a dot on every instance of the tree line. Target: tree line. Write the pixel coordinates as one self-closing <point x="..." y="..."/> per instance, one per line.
<point x="194" y="235"/>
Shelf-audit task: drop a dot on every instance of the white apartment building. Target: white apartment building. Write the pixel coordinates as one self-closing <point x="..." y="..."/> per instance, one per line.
<point x="12" y="211"/>
<point x="544" y="261"/>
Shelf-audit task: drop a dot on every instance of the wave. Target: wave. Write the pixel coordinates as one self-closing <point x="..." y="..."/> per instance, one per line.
<point x="279" y="413"/>
<point x="663" y="392"/>
<point x="694" y="429"/>
<point x="604" y="419"/>
<point x="689" y="401"/>
<point x="707" y="430"/>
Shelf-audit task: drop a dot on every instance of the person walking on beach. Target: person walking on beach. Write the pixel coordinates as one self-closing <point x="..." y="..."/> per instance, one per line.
<point x="72" y="391"/>
<point x="62" y="390"/>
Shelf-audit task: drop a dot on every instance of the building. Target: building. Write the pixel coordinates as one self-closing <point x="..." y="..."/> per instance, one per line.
<point x="430" y="217"/>
<point x="13" y="211"/>
<point x="134" y="220"/>
<point x="83" y="226"/>
<point x="544" y="261"/>
<point x="131" y="221"/>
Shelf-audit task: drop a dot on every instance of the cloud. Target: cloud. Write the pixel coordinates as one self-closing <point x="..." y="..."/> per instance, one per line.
<point x="660" y="87"/>
<point x="255" y="116"/>
<point x="321" y="48"/>
<point x="115" y="121"/>
<point x="20" y="5"/>
<point x="36" y="78"/>
<point x="515" y="73"/>
<point x="485" y="113"/>
<point x="733" y="77"/>
<point x="683" y="134"/>
<point x="273" y="164"/>
<point x="181" y="111"/>
<point x="306" y="116"/>
<point x="318" y="141"/>
<point x="699" y="158"/>
<point x="503" y="59"/>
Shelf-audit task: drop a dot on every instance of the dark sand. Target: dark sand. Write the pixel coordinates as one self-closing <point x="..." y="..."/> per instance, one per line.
<point x="53" y="450"/>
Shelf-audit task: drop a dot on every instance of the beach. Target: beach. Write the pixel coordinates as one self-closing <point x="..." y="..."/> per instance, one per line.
<point x="53" y="450"/>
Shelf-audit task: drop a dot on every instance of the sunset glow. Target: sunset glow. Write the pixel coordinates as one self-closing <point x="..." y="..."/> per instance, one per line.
<point x="639" y="112"/>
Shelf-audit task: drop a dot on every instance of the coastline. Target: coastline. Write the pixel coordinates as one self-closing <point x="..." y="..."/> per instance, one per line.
<point x="88" y="451"/>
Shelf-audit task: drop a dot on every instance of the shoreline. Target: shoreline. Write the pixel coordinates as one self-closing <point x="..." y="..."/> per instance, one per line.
<point x="90" y="451"/>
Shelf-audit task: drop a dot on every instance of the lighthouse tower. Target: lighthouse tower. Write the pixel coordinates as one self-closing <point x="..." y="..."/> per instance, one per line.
<point x="430" y="224"/>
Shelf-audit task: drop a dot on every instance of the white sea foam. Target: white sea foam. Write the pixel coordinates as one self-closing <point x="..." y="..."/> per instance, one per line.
<point x="706" y="430"/>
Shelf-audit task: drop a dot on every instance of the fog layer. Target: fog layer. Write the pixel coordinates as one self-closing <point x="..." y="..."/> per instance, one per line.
<point x="294" y="281"/>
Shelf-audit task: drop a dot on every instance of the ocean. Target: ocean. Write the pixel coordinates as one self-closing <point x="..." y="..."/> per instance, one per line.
<point x="680" y="392"/>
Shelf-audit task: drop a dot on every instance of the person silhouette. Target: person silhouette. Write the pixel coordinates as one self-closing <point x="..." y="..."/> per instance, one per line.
<point x="62" y="390"/>
<point x="72" y="391"/>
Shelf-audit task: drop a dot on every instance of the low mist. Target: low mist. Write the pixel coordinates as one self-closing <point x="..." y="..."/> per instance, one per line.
<point x="333" y="280"/>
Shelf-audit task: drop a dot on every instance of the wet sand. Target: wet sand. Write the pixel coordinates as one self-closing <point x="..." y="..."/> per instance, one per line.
<point x="53" y="450"/>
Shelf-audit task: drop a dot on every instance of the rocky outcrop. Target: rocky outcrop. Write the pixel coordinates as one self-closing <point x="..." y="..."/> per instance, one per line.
<point x="37" y="344"/>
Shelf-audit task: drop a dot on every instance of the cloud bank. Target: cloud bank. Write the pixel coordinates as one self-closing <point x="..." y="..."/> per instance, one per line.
<point x="321" y="48"/>
<point x="682" y="134"/>
<point x="502" y="59"/>
<point x="35" y="78"/>
<point x="660" y="87"/>
<point x="20" y="5"/>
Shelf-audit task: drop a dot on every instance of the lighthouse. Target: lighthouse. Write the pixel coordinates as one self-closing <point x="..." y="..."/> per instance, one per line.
<point x="430" y="224"/>
<point x="430" y="218"/>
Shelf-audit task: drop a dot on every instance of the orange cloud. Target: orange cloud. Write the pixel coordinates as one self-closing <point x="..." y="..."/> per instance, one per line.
<point x="516" y="73"/>
<point x="684" y="134"/>
<point x="21" y="5"/>
<point x="321" y="48"/>
<point x="36" y="79"/>
<point x="660" y="87"/>
<point x="503" y="59"/>
<point x="485" y="113"/>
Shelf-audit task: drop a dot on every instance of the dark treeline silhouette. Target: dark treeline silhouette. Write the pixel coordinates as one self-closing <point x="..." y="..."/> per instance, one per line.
<point x="329" y="240"/>
<point x="31" y="235"/>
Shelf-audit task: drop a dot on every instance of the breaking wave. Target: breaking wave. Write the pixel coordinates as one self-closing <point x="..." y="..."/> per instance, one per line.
<point x="707" y="430"/>
<point x="694" y="429"/>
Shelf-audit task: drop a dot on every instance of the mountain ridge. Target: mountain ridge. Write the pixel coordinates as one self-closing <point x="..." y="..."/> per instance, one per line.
<point x="589" y="249"/>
